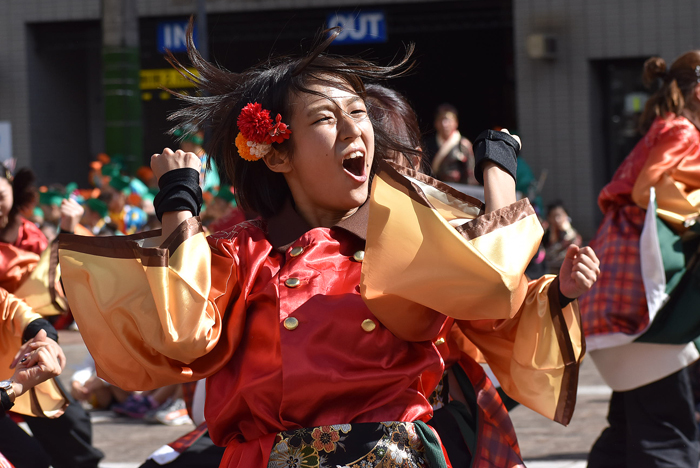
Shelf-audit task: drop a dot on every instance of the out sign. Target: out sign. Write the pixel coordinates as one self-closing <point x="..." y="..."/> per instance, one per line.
<point x="357" y="28"/>
<point x="172" y="35"/>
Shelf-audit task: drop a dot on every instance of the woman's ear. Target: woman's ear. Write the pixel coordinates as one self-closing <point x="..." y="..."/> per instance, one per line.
<point x="278" y="161"/>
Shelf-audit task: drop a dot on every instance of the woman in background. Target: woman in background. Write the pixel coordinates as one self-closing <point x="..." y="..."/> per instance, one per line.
<point x="651" y="412"/>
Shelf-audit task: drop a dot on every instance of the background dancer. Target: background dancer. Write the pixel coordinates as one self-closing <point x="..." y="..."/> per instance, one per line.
<point x="651" y="413"/>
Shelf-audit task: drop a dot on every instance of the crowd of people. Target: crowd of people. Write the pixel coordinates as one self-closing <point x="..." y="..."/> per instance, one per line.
<point x="339" y="303"/>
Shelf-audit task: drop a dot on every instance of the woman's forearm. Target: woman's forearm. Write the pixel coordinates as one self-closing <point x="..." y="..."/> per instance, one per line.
<point x="172" y="220"/>
<point x="499" y="187"/>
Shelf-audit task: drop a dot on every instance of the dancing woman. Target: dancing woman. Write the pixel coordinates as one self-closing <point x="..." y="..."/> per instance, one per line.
<point x="651" y="417"/>
<point x="315" y="325"/>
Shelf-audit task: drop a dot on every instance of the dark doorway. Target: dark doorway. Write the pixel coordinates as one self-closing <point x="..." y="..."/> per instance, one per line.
<point x="65" y="106"/>
<point x="618" y="100"/>
<point x="464" y="51"/>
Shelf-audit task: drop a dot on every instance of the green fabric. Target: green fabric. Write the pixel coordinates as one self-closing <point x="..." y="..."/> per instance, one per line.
<point x="188" y="133"/>
<point x="469" y="434"/>
<point x="225" y="193"/>
<point x="211" y="174"/>
<point x="526" y="183"/>
<point x="433" y="448"/>
<point x="51" y="198"/>
<point x="466" y="422"/>
<point x="70" y="188"/>
<point x="111" y="170"/>
<point x="138" y="187"/>
<point x="98" y="206"/>
<point x="120" y="183"/>
<point x="678" y="321"/>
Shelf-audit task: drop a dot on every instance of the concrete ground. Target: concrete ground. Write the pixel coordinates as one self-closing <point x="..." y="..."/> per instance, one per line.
<point x="127" y="443"/>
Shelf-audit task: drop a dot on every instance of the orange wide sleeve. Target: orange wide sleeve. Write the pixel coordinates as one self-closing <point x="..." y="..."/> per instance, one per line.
<point x="535" y="354"/>
<point x="431" y="253"/>
<point x="153" y="315"/>
<point x="44" y="400"/>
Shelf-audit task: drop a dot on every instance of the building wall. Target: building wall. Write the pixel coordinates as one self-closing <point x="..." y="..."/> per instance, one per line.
<point x="557" y="100"/>
<point x="17" y="53"/>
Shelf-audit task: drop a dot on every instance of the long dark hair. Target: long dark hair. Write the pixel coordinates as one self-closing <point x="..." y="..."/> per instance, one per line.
<point x="271" y="83"/>
<point x="396" y="128"/>
<point x="673" y="88"/>
<point x="24" y="192"/>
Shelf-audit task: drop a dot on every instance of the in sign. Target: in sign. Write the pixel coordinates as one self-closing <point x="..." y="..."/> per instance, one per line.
<point x="359" y="27"/>
<point x="172" y="35"/>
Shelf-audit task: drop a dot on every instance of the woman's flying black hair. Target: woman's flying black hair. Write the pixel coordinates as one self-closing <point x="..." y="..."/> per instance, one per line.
<point x="224" y="93"/>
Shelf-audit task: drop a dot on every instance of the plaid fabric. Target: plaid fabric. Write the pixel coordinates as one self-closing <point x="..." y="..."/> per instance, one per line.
<point x="617" y="301"/>
<point x="497" y="445"/>
<point x="186" y="441"/>
<point x="188" y="389"/>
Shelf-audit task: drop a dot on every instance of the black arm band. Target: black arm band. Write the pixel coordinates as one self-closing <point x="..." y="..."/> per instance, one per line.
<point x="179" y="191"/>
<point x="5" y="402"/>
<point x="33" y="328"/>
<point x="497" y="147"/>
<point x="563" y="300"/>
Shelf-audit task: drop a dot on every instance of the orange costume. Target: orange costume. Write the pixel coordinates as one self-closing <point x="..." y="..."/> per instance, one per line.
<point x="17" y="260"/>
<point x="615" y="310"/>
<point x="326" y="328"/>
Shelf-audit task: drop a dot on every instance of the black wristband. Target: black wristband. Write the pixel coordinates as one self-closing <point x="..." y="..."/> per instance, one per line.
<point x="498" y="147"/>
<point x="35" y="326"/>
<point x="563" y="300"/>
<point x="179" y="191"/>
<point x="5" y="402"/>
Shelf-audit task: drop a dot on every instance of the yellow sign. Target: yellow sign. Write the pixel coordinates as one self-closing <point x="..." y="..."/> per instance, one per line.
<point x="165" y="77"/>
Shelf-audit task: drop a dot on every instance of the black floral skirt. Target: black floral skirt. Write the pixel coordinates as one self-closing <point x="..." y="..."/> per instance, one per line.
<point x="364" y="445"/>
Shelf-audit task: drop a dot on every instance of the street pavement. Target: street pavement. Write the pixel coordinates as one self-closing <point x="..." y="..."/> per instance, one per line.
<point x="544" y="444"/>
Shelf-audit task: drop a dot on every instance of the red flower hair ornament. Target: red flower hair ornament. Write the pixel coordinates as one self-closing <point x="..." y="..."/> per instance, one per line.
<point x="258" y="131"/>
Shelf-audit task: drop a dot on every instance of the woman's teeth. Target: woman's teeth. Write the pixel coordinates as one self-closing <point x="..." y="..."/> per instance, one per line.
<point x="354" y="163"/>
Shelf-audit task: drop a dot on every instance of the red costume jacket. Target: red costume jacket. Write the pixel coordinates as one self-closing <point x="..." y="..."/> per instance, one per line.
<point x="287" y="325"/>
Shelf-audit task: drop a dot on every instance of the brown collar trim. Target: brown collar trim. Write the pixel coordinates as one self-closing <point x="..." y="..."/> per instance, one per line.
<point x="284" y="228"/>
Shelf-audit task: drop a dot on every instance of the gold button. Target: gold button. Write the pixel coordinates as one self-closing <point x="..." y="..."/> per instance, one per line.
<point x="368" y="325"/>
<point x="439" y="341"/>
<point x="290" y="323"/>
<point x="296" y="251"/>
<point x="359" y="256"/>
<point x="292" y="282"/>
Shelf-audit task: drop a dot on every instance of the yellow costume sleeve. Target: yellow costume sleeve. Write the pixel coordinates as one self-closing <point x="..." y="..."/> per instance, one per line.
<point x="535" y="355"/>
<point x="144" y="310"/>
<point x="41" y="290"/>
<point x="432" y="253"/>
<point x="44" y="400"/>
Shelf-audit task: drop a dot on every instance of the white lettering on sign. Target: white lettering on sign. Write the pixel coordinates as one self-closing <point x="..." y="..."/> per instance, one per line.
<point x="359" y="27"/>
<point x="174" y="36"/>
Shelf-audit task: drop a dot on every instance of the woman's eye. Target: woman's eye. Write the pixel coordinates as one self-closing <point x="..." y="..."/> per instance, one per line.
<point x="324" y="119"/>
<point x="358" y="113"/>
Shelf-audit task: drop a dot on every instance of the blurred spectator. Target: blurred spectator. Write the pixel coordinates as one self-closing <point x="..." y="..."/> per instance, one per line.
<point x="449" y="154"/>
<point x="559" y="235"/>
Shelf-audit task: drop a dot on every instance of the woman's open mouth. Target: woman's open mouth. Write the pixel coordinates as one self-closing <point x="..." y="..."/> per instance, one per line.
<point x="354" y="164"/>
